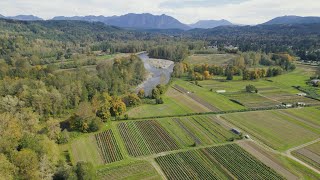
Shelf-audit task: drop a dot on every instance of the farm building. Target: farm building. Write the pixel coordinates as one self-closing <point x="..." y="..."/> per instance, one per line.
<point x="288" y="105"/>
<point x="221" y="91"/>
<point x="301" y="104"/>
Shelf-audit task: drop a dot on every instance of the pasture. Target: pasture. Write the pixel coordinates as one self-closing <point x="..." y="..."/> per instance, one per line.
<point x="275" y="129"/>
<point x="134" y="170"/>
<point x="210" y="59"/>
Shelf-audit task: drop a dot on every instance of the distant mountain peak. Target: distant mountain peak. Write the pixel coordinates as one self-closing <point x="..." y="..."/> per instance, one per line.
<point x="132" y="20"/>
<point x="292" y="19"/>
<point x="207" y="24"/>
<point x="24" y="18"/>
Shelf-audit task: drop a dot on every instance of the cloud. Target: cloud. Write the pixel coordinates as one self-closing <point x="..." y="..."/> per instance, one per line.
<point x="197" y="3"/>
<point x="187" y="11"/>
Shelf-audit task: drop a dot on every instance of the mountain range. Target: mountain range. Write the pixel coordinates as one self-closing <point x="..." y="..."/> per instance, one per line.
<point x="207" y="24"/>
<point x="149" y="21"/>
<point x="293" y="20"/>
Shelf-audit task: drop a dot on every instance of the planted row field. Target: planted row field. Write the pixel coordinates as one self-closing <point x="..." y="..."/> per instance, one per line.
<point x="274" y="128"/>
<point x="146" y="137"/>
<point x="309" y="154"/>
<point x="198" y="130"/>
<point x="251" y="100"/>
<point x="135" y="170"/>
<point x="220" y="162"/>
<point x="108" y="147"/>
<point x="190" y="165"/>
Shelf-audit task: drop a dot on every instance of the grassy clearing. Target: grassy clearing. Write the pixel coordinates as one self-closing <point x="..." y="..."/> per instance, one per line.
<point x="217" y="100"/>
<point x="86" y="149"/>
<point x="273" y="128"/>
<point x="210" y="59"/>
<point x="170" y="107"/>
<point x="133" y="170"/>
<point x="252" y="100"/>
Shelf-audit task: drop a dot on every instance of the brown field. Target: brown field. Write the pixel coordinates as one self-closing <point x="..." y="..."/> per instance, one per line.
<point x="309" y="154"/>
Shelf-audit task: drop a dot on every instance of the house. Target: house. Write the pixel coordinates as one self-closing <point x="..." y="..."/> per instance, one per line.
<point x="221" y="91"/>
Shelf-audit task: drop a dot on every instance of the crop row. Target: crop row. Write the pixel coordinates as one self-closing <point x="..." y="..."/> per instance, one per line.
<point x="146" y="137"/>
<point x="221" y="162"/>
<point x="240" y="163"/>
<point x="187" y="165"/>
<point x="108" y="147"/>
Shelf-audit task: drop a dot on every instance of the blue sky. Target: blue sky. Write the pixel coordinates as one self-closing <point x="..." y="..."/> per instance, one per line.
<point x="187" y="11"/>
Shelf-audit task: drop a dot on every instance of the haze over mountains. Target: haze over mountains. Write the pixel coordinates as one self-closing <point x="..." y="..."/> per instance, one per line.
<point x="149" y="21"/>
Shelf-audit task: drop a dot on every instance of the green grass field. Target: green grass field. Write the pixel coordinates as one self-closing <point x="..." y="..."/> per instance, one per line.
<point x="273" y="128"/>
<point x="217" y="100"/>
<point x="134" y="170"/>
<point x="310" y="114"/>
<point x="86" y="149"/>
<point x="216" y="59"/>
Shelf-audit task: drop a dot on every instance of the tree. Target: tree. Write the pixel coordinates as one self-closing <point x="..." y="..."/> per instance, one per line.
<point x="85" y="171"/>
<point x="251" y="88"/>
<point x="118" y="107"/>
<point x="155" y="93"/>
<point x="11" y="132"/>
<point x="141" y="93"/>
<point x="27" y="162"/>
<point x="229" y="76"/>
<point x="53" y="129"/>
<point x="7" y="169"/>
<point x="206" y="75"/>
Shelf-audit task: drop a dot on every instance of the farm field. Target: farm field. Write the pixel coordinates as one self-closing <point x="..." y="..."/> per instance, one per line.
<point x="273" y="128"/>
<point x="309" y="154"/>
<point x="309" y="115"/>
<point x="146" y="137"/>
<point x="170" y="107"/>
<point x="108" y="147"/>
<point x="182" y="98"/>
<point x="86" y="149"/>
<point x="219" y="162"/>
<point x="216" y="100"/>
<point x="210" y="59"/>
<point x="198" y="130"/>
<point x="135" y="170"/>
<point x="251" y="100"/>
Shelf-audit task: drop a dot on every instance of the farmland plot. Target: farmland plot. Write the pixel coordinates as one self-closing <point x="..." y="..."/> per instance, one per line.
<point x="273" y="128"/>
<point x="108" y="147"/>
<point x="252" y="100"/>
<point x="286" y="97"/>
<point x="309" y="154"/>
<point x="136" y="170"/>
<point x="146" y="137"/>
<point x="221" y="162"/>
<point x="204" y="130"/>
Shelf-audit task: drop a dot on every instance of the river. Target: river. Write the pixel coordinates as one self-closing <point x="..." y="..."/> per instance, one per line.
<point x="156" y="75"/>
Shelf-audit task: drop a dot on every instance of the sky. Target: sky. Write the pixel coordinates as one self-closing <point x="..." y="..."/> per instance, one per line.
<point x="187" y="11"/>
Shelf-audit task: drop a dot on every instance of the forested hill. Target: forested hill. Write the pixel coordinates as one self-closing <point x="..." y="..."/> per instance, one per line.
<point x="75" y="31"/>
<point x="297" y="38"/>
